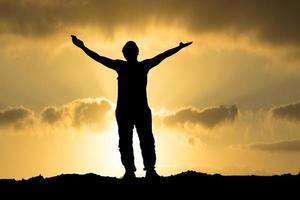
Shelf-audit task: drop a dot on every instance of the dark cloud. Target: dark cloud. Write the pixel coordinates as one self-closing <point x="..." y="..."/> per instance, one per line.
<point x="209" y="117"/>
<point x="15" y="116"/>
<point x="284" y="146"/>
<point x="83" y="113"/>
<point x="91" y="114"/>
<point x="51" y="114"/>
<point x="290" y="112"/>
<point x="275" y="22"/>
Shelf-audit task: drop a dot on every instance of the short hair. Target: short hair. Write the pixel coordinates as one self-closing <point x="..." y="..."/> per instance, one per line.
<point x="130" y="49"/>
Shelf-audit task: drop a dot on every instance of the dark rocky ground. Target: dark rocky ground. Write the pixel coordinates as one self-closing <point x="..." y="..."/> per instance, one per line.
<point x="187" y="185"/>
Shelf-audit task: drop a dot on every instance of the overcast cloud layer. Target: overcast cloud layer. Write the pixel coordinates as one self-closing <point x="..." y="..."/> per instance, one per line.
<point x="275" y="22"/>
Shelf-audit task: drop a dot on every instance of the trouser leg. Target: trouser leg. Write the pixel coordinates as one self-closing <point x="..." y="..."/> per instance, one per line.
<point x="125" y="129"/>
<point x="147" y="143"/>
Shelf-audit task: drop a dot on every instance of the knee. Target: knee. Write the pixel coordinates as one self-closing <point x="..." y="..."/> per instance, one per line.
<point x="125" y="143"/>
<point x="147" y="141"/>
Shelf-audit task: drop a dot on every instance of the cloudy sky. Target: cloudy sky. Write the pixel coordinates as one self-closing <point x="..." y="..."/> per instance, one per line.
<point x="228" y="104"/>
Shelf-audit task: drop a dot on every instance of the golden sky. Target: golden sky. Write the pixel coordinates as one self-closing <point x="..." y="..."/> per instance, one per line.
<point x="229" y="103"/>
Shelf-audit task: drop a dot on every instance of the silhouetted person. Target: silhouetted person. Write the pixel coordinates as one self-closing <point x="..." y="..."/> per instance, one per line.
<point x="132" y="106"/>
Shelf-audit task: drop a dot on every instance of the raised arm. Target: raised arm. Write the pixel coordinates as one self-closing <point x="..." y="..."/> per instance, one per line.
<point x="110" y="63"/>
<point x="160" y="57"/>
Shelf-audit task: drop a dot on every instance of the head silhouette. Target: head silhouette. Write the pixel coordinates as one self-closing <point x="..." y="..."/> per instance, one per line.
<point x="130" y="51"/>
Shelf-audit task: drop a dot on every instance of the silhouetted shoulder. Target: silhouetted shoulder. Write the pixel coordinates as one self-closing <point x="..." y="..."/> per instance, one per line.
<point x="148" y="63"/>
<point x="117" y="64"/>
<point x="120" y="62"/>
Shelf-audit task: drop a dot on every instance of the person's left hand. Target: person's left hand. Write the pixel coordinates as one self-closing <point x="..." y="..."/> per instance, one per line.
<point x="182" y="45"/>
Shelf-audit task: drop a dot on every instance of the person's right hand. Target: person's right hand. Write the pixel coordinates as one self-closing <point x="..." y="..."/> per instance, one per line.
<point x="77" y="41"/>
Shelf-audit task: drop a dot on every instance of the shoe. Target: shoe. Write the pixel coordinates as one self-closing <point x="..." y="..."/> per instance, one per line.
<point x="129" y="175"/>
<point x="152" y="175"/>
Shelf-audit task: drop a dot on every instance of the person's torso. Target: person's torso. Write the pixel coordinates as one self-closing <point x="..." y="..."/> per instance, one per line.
<point x="132" y="85"/>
